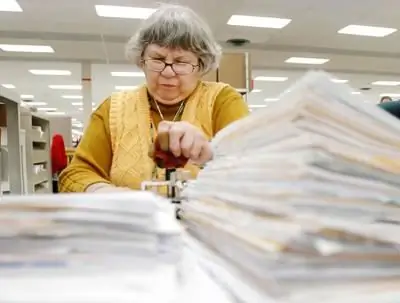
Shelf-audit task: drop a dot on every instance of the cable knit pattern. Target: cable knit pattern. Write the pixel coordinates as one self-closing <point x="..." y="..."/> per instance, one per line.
<point x="131" y="135"/>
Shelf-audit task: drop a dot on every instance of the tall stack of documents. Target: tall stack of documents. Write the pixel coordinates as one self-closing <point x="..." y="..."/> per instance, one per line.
<point x="301" y="203"/>
<point x="123" y="247"/>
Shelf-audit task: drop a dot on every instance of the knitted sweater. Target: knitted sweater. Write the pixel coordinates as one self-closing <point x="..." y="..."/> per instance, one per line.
<point x="114" y="148"/>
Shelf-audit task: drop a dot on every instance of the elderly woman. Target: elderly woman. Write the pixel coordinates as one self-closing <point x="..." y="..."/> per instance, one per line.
<point x="174" y="48"/>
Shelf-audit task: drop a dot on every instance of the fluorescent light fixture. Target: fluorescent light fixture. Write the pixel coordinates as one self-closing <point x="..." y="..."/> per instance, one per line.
<point x="66" y="87"/>
<point x="35" y="103"/>
<point x="390" y="95"/>
<point x="386" y="83"/>
<point x="93" y="108"/>
<point x="255" y="21"/>
<point x="271" y="99"/>
<point x="256" y="91"/>
<point x="50" y="72"/>
<point x="27" y="96"/>
<point x="9" y="86"/>
<point x="271" y="79"/>
<point x="356" y="93"/>
<point x="72" y="97"/>
<point x="10" y="6"/>
<point x="339" y="80"/>
<point x="125" y="87"/>
<point x="26" y="48"/>
<point x="257" y="105"/>
<point x="369" y="31"/>
<point x="55" y="113"/>
<point x="80" y="103"/>
<point x="46" y="109"/>
<point x="127" y="12"/>
<point x="127" y="74"/>
<point x="303" y="60"/>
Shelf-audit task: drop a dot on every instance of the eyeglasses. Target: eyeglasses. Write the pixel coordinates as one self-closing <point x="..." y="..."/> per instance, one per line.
<point x="178" y="68"/>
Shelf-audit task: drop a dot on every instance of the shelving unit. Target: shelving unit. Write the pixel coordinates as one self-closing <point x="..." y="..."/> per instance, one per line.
<point x="38" y="161"/>
<point x="12" y="175"/>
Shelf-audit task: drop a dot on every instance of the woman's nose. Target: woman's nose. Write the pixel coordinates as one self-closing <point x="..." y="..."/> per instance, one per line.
<point x="168" y="72"/>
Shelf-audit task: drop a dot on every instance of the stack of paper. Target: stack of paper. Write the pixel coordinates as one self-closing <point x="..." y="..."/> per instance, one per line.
<point x="88" y="248"/>
<point x="302" y="200"/>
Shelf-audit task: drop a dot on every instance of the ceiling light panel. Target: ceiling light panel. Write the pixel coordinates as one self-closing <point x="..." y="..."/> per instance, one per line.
<point x="50" y="72"/>
<point x="72" y="97"/>
<point x="369" y="31"/>
<point x="66" y="87"/>
<point x="80" y="103"/>
<point x="26" y="48"/>
<point x="257" y="105"/>
<point x="386" y="83"/>
<point x="255" y="21"/>
<point x="36" y="103"/>
<point x="46" y="109"/>
<point x="392" y="95"/>
<point x="10" y="6"/>
<point x="55" y="113"/>
<point x="304" y="60"/>
<point x="26" y="96"/>
<point x="127" y="74"/>
<point x="125" y="12"/>
<point x="339" y="80"/>
<point x="9" y="86"/>
<point x="271" y="99"/>
<point x="271" y="79"/>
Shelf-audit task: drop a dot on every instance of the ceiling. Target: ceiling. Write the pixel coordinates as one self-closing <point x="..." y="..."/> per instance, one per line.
<point x="78" y="35"/>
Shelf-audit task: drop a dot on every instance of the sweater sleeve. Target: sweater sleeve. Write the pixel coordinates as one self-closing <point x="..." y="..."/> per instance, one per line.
<point x="229" y="106"/>
<point x="92" y="159"/>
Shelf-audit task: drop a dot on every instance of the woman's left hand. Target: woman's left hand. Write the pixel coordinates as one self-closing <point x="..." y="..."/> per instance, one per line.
<point x="187" y="140"/>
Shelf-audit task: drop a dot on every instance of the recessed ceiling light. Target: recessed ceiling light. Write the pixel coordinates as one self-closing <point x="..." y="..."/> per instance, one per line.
<point x="386" y="83"/>
<point x="26" y="48"/>
<point x="339" y="80"/>
<point x="81" y="108"/>
<point x="356" y="93"/>
<point x="72" y="97"/>
<point x="55" y="113"/>
<point x="271" y="79"/>
<point x="370" y="31"/>
<point x="255" y="21"/>
<point x="303" y="60"/>
<point x="50" y="72"/>
<point x="27" y="96"/>
<point x="9" y="86"/>
<point x="10" y="6"/>
<point x="128" y="12"/>
<point x="256" y="91"/>
<point x="66" y="87"/>
<point x="271" y="99"/>
<point x="127" y="74"/>
<point x="35" y="103"/>
<point x="46" y="109"/>
<point x="125" y="87"/>
<point x="257" y="105"/>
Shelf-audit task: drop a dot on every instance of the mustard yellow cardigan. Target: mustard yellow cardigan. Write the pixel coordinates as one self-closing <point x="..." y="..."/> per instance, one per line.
<point x="93" y="157"/>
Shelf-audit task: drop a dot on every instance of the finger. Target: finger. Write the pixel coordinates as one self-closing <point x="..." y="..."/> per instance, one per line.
<point x="196" y="149"/>
<point x="187" y="143"/>
<point x="176" y="133"/>
<point x="205" y="155"/>
<point x="164" y="126"/>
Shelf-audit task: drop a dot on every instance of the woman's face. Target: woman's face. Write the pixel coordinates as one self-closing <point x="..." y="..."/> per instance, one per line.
<point x="168" y="86"/>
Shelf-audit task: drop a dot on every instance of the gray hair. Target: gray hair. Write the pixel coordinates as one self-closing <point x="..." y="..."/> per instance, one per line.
<point x="176" y="26"/>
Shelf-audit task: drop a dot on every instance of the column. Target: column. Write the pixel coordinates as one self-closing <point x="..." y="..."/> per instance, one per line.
<point x="86" y="92"/>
